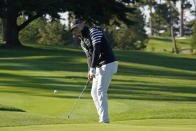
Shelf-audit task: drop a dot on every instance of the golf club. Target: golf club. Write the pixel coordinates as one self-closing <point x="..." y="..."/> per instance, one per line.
<point x="68" y="116"/>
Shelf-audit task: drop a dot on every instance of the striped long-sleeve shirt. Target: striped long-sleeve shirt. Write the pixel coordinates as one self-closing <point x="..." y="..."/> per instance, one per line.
<point x="96" y="47"/>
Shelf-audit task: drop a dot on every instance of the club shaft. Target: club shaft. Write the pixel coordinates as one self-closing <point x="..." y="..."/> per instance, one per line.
<point x="78" y="99"/>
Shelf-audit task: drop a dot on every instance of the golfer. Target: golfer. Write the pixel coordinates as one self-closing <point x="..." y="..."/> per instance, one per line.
<point x="102" y="64"/>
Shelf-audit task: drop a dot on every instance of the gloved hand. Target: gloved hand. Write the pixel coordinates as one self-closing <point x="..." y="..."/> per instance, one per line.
<point x="92" y="72"/>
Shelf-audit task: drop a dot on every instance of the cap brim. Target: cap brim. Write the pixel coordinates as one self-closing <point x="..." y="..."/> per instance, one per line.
<point x="74" y="26"/>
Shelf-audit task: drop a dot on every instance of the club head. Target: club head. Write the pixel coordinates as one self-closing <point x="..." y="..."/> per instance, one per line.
<point x="68" y="117"/>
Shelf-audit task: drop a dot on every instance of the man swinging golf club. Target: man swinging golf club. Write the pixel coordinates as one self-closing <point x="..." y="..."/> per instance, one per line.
<point x="102" y="64"/>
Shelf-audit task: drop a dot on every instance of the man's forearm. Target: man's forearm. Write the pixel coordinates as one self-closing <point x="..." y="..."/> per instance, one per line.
<point x="95" y="56"/>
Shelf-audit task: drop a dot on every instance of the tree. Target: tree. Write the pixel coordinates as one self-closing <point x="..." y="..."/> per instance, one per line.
<point x="183" y="5"/>
<point x="172" y="32"/>
<point x="97" y="11"/>
<point x="31" y="33"/>
<point x="1" y="30"/>
<point x="150" y="4"/>
<point x="46" y="32"/>
<point x="172" y="8"/>
<point x="71" y="16"/>
<point x="131" y="36"/>
<point x="193" y="41"/>
<point x="182" y="18"/>
<point x="160" y="18"/>
<point x="194" y="2"/>
<point x="52" y="33"/>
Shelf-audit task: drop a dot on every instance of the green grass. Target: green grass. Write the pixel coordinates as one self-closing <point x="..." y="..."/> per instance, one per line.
<point x="133" y="125"/>
<point x="165" y="44"/>
<point x="6" y="108"/>
<point x="150" y="92"/>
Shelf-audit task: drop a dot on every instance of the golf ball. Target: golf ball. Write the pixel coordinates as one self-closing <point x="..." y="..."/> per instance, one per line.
<point x="55" y="91"/>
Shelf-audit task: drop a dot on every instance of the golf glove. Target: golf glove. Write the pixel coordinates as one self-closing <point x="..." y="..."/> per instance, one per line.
<point x="92" y="72"/>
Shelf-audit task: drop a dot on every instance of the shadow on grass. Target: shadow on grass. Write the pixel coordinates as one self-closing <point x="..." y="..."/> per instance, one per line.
<point x="2" y="108"/>
<point x="76" y="77"/>
<point x="146" y="58"/>
<point x="50" y="59"/>
<point x="135" y="71"/>
<point x="127" y="90"/>
<point x="67" y="60"/>
<point x="71" y="83"/>
<point x="161" y="39"/>
<point x="36" y="51"/>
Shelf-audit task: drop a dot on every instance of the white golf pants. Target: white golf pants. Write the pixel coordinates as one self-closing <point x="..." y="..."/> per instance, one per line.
<point x="99" y="89"/>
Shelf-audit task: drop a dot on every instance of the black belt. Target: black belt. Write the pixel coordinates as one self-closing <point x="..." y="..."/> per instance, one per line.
<point x="104" y="63"/>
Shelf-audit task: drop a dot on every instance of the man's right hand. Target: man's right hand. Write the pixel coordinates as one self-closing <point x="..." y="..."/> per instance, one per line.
<point x="89" y="77"/>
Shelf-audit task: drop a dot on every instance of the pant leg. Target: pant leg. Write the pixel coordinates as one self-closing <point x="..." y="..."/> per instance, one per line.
<point x="103" y="98"/>
<point x="94" y="93"/>
<point x="104" y="78"/>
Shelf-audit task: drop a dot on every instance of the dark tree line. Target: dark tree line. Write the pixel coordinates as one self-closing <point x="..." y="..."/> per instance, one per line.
<point x="97" y="11"/>
<point x="121" y="19"/>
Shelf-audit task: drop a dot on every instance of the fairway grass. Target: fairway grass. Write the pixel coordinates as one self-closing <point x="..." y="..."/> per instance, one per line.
<point x="150" y="92"/>
<point x="165" y="44"/>
<point x="134" y="125"/>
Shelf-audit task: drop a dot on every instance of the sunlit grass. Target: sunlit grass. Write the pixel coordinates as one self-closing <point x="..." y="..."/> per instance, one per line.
<point x="147" y="86"/>
<point x="165" y="44"/>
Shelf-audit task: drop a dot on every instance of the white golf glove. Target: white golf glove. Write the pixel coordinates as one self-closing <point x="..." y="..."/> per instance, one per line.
<point x="92" y="72"/>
